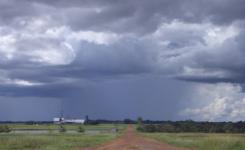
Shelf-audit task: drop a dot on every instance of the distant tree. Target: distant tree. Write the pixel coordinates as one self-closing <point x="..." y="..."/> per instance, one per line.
<point x="139" y="121"/>
<point x="228" y="127"/>
<point x="150" y="128"/>
<point x="192" y="126"/>
<point x="167" y="128"/>
<point x="128" y="121"/>
<point x="93" y="122"/>
<point x="139" y="124"/>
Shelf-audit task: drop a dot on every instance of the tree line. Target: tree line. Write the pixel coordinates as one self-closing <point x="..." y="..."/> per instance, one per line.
<point x="192" y="126"/>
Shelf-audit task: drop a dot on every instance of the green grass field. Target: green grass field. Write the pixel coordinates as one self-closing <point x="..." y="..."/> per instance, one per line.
<point x="57" y="141"/>
<point x="67" y="126"/>
<point x="51" y="142"/>
<point x="70" y="141"/>
<point x="201" y="141"/>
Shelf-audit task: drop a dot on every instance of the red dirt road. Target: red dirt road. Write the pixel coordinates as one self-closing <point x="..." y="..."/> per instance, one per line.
<point x="131" y="141"/>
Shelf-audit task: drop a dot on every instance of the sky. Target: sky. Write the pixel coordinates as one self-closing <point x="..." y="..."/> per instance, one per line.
<point x="116" y="59"/>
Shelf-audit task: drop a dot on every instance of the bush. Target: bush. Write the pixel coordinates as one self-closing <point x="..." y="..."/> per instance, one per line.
<point x="62" y="129"/>
<point x="149" y="128"/>
<point x="4" y="129"/>
<point x="166" y="128"/>
<point x="81" y="129"/>
<point x="140" y="128"/>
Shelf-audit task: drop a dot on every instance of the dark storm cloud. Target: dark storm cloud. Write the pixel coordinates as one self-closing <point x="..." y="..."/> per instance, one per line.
<point x="28" y="108"/>
<point x="227" y="59"/>
<point x="43" y="91"/>
<point x="126" y="17"/>
<point x="140" y="16"/>
<point x="99" y="60"/>
<point x="150" y="96"/>
<point x="13" y="10"/>
<point x="145" y="16"/>
<point x="97" y="63"/>
<point x="69" y="49"/>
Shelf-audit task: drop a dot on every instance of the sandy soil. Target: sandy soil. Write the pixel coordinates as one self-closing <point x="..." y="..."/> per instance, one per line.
<point x="131" y="141"/>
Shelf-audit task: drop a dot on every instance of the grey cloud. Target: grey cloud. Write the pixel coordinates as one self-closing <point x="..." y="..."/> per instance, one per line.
<point x="147" y="40"/>
<point x="9" y="12"/>
<point x="229" y="59"/>
<point x="145" y="16"/>
<point x="127" y="16"/>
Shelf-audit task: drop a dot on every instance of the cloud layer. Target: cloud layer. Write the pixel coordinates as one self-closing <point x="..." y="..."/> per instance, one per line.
<point x="54" y="49"/>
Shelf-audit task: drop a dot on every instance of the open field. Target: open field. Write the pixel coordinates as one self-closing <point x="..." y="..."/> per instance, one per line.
<point x="201" y="141"/>
<point x="57" y="141"/>
<point x="54" y="140"/>
<point x="67" y="126"/>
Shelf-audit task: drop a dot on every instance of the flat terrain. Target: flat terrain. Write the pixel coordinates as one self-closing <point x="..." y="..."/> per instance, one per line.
<point x="102" y="137"/>
<point x="53" y="140"/>
<point x="67" y="126"/>
<point x="132" y="141"/>
<point x="201" y="141"/>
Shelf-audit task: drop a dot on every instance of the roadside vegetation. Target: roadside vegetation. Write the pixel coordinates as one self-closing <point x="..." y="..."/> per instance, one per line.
<point x="196" y="135"/>
<point x="4" y="129"/>
<point x="52" y="141"/>
<point x="56" y="137"/>
<point x="201" y="141"/>
<point x="81" y="129"/>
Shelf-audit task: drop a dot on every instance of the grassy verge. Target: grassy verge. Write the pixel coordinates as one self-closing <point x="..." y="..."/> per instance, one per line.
<point x="51" y="142"/>
<point x="200" y="141"/>
<point x="57" y="141"/>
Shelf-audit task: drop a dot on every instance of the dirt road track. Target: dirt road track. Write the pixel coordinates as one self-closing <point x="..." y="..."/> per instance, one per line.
<point x="131" y="141"/>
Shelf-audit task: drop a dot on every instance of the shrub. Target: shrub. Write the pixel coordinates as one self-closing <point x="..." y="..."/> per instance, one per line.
<point x="140" y="128"/>
<point x="81" y="129"/>
<point x="166" y="128"/>
<point x="149" y="128"/>
<point x="4" y="129"/>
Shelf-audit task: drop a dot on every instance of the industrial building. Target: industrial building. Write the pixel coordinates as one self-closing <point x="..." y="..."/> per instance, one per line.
<point x="63" y="120"/>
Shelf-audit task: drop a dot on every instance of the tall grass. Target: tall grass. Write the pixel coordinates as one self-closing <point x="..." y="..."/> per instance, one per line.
<point x="199" y="141"/>
<point x="57" y="141"/>
<point x="51" y="142"/>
